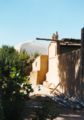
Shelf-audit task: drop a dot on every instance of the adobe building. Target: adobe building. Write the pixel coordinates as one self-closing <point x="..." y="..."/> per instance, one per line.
<point x="62" y="70"/>
<point x="39" y="70"/>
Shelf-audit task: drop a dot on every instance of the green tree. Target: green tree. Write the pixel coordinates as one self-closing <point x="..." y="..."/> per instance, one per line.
<point x="13" y="81"/>
<point x="36" y="54"/>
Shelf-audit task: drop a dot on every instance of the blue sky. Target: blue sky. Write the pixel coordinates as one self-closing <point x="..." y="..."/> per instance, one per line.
<point x="24" y="20"/>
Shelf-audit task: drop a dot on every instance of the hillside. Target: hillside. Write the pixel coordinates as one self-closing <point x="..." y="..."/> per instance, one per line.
<point x="32" y="47"/>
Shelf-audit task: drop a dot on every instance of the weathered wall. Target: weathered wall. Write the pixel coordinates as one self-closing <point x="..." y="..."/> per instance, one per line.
<point x="52" y="76"/>
<point x="65" y="69"/>
<point x="33" y="77"/>
<point x="36" y="66"/>
<point x="69" y="72"/>
<point x="64" y="72"/>
<point x="39" y="70"/>
<point x="53" y="49"/>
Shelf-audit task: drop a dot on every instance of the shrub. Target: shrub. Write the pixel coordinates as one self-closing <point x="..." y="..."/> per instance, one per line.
<point x="13" y="81"/>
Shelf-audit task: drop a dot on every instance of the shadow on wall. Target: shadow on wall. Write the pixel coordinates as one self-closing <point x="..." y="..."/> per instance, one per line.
<point x="69" y="72"/>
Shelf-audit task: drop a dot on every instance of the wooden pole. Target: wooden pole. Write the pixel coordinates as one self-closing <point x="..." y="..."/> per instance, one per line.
<point x="82" y="64"/>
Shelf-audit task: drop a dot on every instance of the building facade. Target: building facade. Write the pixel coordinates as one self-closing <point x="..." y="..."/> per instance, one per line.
<point x="63" y="69"/>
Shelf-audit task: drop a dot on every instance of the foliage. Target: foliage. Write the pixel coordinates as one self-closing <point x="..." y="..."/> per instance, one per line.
<point x="23" y="55"/>
<point x="36" y="54"/>
<point x="13" y="85"/>
<point x="1" y="111"/>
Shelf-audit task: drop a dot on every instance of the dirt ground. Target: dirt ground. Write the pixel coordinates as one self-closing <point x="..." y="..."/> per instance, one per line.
<point x="71" y="115"/>
<point x="43" y="108"/>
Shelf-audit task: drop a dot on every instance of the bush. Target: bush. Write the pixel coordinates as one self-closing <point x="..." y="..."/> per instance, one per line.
<point x="14" y="86"/>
